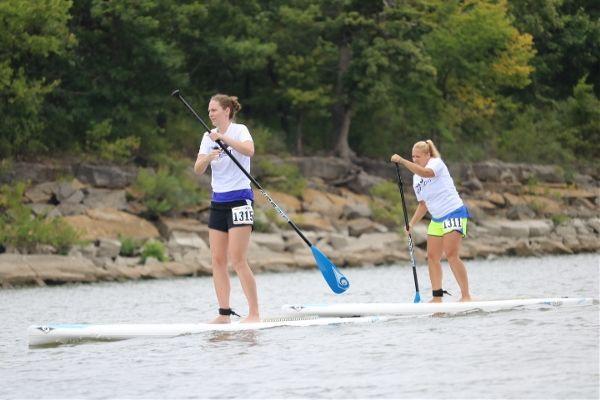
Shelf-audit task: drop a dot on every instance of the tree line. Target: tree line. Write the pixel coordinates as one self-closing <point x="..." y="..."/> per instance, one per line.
<point x="512" y="79"/>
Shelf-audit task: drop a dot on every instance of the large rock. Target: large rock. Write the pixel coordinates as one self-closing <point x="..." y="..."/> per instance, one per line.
<point x="271" y="241"/>
<point x="181" y="240"/>
<point x="513" y="229"/>
<point x="312" y="222"/>
<point x="266" y="260"/>
<point x="63" y="269"/>
<point x="289" y="204"/>
<point x="320" y="202"/>
<point x="110" y="223"/>
<point x="15" y="271"/>
<point x="106" y="176"/>
<point x="105" y="198"/>
<point x="108" y="248"/>
<point x="41" y="193"/>
<point x="330" y="169"/>
<point x="357" y="210"/>
<point x="34" y="172"/>
<point x="363" y="182"/>
<point x="539" y="227"/>
<point x="166" y="226"/>
<point x="360" y="226"/>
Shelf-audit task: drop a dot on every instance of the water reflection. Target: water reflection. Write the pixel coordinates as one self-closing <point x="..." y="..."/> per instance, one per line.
<point x="249" y="337"/>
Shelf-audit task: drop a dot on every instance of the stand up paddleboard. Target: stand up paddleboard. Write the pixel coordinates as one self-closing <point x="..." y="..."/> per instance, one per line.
<point x="54" y="334"/>
<point x="402" y="309"/>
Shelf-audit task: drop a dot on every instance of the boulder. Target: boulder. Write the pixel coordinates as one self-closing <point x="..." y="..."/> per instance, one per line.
<point x="108" y="248"/>
<point x="360" y="226"/>
<point x="166" y="226"/>
<point x="312" y="221"/>
<point x="319" y="202"/>
<point x="63" y="269"/>
<point x="357" y="210"/>
<point x="106" y="176"/>
<point x="271" y="241"/>
<point x="110" y="223"/>
<point x="42" y="193"/>
<point x="363" y="182"/>
<point x="15" y="271"/>
<point x="105" y="198"/>
<point x="330" y="169"/>
<point x="182" y="241"/>
<point x="289" y="204"/>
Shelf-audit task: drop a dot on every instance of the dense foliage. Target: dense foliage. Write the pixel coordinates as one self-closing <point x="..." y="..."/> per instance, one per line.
<point x="24" y="231"/>
<point x="514" y="79"/>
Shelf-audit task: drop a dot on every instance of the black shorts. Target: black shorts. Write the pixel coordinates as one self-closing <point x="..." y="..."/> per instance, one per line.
<point x="224" y="216"/>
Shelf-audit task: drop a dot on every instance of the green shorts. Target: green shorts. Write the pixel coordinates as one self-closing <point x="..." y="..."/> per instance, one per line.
<point x="447" y="226"/>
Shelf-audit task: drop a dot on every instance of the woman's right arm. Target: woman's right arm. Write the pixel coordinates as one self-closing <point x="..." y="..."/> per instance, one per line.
<point x="203" y="160"/>
<point x="418" y="215"/>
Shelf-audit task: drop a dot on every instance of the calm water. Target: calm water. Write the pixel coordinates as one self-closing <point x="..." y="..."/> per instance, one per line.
<point x="512" y="354"/>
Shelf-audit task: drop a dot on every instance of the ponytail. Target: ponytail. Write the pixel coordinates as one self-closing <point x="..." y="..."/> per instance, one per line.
<point x="432" y="149"/>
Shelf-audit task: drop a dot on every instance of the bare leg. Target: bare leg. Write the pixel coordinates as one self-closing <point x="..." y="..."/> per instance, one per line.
<point x="218" y="251"/>
<point x="238" y="248"/>
<point x="452" y="242"/>
<point x="434" y="257"/>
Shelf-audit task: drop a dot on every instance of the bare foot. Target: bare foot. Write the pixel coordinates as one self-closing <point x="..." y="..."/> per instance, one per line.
<point x="466" y="298"/>
<point x="250" y="319"/>
<point x="221" y="319"/>
<point x="435" y="300"/>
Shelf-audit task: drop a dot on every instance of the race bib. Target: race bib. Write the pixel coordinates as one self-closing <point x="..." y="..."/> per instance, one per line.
<point x="242" y="215"/>
<point x="452" y="223"/>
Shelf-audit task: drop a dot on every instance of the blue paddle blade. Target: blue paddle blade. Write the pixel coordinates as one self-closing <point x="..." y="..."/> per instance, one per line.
<point x="417" y="298"/>
<point x="334" y="278"/>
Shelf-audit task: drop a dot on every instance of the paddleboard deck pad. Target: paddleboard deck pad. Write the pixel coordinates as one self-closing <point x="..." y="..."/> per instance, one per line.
<point x="405" y="309"/>
<point x="55" y="334"/>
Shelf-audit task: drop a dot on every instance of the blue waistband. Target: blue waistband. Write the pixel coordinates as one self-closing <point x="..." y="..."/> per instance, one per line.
<point x="461" y="212"/>
<point x="225" y="197"/>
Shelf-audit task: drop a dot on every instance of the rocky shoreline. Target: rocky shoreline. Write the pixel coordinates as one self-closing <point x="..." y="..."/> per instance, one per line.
<point x="517" y="209"/>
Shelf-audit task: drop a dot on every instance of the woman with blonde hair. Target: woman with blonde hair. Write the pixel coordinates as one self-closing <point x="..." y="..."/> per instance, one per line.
<point x="437" y="194"/>
<point x="231" y="215"/>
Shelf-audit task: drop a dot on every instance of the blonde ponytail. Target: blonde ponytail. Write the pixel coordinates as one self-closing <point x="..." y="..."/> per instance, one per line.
<point x="432" y="149"/>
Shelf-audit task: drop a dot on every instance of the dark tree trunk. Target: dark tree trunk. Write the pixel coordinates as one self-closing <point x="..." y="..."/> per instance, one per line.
<point x="342" y="109"/>
<point x="299" y="143"/>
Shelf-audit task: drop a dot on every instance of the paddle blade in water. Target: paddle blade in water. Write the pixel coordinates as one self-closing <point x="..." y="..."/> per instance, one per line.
<point x="334" y="278"/>
<point x="417" y="298"/>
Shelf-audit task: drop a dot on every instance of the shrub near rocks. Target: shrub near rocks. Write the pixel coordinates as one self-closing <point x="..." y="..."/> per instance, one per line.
<point x="167" y="190"/>
<point x="22" y="230"/>
<point x="154" y="249"/>
<point x="387" y="204"/>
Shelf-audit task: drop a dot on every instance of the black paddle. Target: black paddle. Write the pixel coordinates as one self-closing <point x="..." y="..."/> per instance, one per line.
<point x="336" y="281"/>
<point x="410" y="241"/>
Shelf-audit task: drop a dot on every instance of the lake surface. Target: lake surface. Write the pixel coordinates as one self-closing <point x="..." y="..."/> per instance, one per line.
<point x="537" y="354"/>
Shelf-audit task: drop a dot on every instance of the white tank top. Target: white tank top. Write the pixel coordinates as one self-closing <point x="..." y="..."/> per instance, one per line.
<point x="438" y="193"/>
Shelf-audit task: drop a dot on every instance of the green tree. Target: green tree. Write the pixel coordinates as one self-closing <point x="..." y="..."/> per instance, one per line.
<point x="32" y="35"/>
<point x="477" y="53"/>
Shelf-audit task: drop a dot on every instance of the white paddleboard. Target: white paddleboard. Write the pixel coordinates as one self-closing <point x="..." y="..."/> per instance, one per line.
<point x="400" y="309"/>
<point x="39" y="335"/>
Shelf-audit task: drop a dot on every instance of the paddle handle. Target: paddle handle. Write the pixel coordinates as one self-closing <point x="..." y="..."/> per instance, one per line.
<point x="177" y="93"/>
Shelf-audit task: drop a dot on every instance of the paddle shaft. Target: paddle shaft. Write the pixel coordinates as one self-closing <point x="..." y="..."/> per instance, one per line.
<point x="410" y="241"/>
<point x="177" y="94"/>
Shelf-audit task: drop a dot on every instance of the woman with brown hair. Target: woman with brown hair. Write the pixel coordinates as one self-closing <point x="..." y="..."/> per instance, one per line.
<point x="231" y="214"/>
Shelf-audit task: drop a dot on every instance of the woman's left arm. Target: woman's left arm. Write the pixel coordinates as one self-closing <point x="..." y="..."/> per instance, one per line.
<point x="414" y="168"/>
<point x="246" y="147"/>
